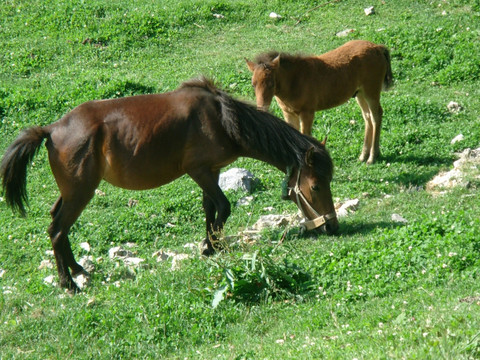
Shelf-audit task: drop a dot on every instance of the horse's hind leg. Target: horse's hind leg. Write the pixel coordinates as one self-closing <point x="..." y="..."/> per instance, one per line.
<point x="64" y="214"/>
<point x="367" y="141"/>
<point x="306" y="122"/>
<point x="372" y="114"/>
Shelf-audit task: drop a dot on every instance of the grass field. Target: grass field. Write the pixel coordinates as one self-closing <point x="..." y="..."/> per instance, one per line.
<point x="378" y="290"/>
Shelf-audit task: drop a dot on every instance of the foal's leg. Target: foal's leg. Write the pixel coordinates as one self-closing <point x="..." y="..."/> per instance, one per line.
<point x="214" y="201"/>
<point x="306" y="122"/>
<point x="367" y="141"/>
<point x="290" y="117"/>
<point x="376" y="112"/>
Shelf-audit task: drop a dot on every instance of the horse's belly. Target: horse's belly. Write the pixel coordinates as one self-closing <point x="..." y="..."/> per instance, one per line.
<point x="144" y="178"/>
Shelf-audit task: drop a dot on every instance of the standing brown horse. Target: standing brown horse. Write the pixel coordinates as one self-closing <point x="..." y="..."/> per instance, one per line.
<point x="305" y="84"/>
<point x="145" y="141"/>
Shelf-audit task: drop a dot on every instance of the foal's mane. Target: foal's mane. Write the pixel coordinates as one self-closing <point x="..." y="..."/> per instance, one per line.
<point x="286" y="58"/>
<point x="263" y="133"/>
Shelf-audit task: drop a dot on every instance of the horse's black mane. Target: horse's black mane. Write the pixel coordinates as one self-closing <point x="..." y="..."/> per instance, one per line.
<point x="264" y="133"/>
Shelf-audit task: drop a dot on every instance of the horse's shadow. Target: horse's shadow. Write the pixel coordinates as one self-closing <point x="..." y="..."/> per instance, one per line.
<point x="422" y="177"/>
<point x="350" y="229"/>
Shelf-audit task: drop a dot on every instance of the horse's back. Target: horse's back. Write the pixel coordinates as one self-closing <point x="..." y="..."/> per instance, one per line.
<point x="355" y="52"/>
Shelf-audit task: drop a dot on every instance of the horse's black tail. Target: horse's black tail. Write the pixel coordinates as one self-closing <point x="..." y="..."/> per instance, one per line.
<point x="388" y="80"/>
<point x="13" y="169"/>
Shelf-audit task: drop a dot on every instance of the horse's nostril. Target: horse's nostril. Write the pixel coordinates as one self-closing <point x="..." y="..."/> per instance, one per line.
<point x="331" y="227"/>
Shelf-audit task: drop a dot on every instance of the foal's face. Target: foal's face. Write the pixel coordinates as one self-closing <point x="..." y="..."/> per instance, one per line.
<point x="263" y="81"/>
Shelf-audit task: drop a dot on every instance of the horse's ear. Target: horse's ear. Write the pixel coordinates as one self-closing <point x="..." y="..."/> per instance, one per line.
<point x="275" y="62"/>
<point x="309" y="156"/>
<point x="250" y="64"/>
<point x="324" y="142"/>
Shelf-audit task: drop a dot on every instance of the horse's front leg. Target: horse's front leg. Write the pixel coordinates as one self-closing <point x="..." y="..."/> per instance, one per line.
<point x="216" y="206"/>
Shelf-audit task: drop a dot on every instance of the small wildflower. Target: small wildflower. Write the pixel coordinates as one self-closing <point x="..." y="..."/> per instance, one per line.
<point x="380" y="325"/>
<point x="398" y="274"/>
<point x="425" y="334"/>
<point x="450" y="254"/>
<point x="424" y="271"/>
<point x="444" y="266"/>
<point x="377" y="276"/>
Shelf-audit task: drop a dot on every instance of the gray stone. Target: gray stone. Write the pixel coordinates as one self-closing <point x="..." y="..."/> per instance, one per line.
<point x="237" y="179"/>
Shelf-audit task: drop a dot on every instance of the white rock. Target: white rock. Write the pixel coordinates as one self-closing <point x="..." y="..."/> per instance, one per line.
<point x="85" y="246"/>
<point x="466" y="166"/>
<point x="177" y="259"/>
<point x="46" y="264"/>
<point x="118" y="252"/>
<point x="454" y="107"/>
<point x="237" y="179"/>
<point x="369" y="10"/>
<point x="399" y="219"/>
<point x="99" y="192"/>
<point x="133" y="261"/>
<point x="273" y="220"/>
<point x="344" y="33"/>
<point x="164" y="255"/>
<point x="190" y="246"/>
<point x="82" y="280"/>
<point x="87" y="263"/>
<point x="50" y="280"/>
<point x="457" y="138"/>
<point x="247" y="200"/>
<point x="343" y="209"/>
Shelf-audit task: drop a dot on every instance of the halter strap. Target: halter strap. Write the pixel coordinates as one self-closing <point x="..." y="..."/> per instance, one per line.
<point x="320" y="219"/>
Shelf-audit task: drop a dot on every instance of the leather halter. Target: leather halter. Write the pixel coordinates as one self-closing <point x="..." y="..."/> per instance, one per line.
<point x="319" y="220"/>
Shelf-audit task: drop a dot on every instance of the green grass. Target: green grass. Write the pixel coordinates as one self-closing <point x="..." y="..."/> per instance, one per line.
<point x="378" y="290"/>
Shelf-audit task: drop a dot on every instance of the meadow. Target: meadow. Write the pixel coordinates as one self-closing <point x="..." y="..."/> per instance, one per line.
<point x="380" y="289"/>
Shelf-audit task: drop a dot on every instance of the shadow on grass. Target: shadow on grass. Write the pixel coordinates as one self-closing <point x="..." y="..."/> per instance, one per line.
<point x="346" y="229"/>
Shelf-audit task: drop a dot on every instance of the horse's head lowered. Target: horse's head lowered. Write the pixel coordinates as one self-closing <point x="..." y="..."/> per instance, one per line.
<point x="263" y="81"/>
<point x="309" y="188"/>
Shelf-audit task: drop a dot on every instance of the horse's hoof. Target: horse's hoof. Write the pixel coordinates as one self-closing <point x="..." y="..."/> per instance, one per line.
<point x="206" y="248"/>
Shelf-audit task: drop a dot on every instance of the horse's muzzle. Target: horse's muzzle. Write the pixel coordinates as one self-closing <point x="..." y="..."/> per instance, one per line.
<point x="329" y="228"/>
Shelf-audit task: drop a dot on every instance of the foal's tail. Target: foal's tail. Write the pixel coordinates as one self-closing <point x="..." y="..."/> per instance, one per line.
<point x="388" y="80"/>
<point x="13" y="169"/>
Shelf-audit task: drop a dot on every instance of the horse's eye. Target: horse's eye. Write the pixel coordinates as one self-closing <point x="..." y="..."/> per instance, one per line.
<point x="315" y="187"/>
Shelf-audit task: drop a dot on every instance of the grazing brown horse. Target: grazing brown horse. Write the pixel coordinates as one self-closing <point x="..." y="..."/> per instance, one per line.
<point x="305" y="84"/>
<point x="146" y="141"/>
